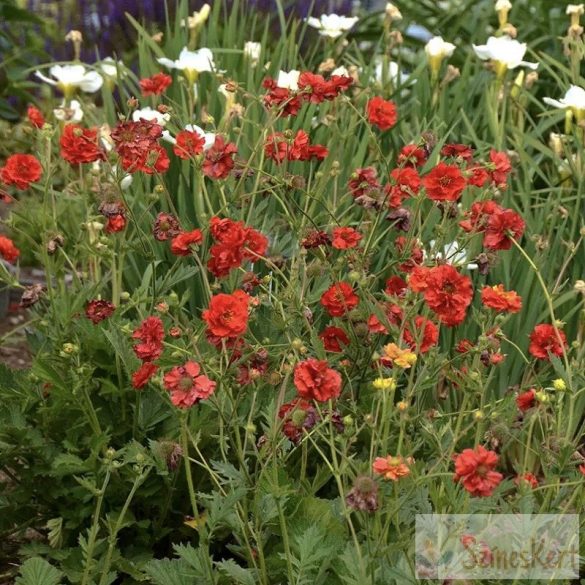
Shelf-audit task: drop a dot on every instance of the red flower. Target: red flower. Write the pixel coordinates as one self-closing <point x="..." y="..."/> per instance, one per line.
<point x="393" y="314"/>
<point x="219" y="159"/>
<point x="406" y="183"/>
<point x="98" y="310"/>
<point x="333" y="338"/>
<point x="381" y="113"/>
<point x="80" y="145"/>
<point x="425" y="336"/>
<point x="339" y="298"/>
<point x="478" y="216"/>
<point x="446" y="292"/>
<point x="477" y="175"/>
<point x="143" y="374"/>
<point x="501" y="168"/>
<point x="526" y="478"/>
<point x="297" y="415"/>
<point x="444" y="183"/>
<point x="150" y="334"/>
<point x="345" y="238"/>
<point x="165" y="226"/>
<point x="280" y="97"/>
<point x="526" y="400"/>
<point x="503" y="301"/>
<point x="414" y="155"/>
<point x="363" y="181"/>
<point x="116" y="223"/>
<point x="8" y="250"/>
<point x="188" y="144"/>
<point x="156" y="84"/>
<point x="315" y="380"/>
<point x="278" y="148"/>
<point x="156" y="161"/>
<point x="134" y="141"/>
<point x="317" y="89"/>
<point x="181" y="244"/>
<point x="546" y="339"/>
<point x="461" y="151"/>
<point x="501" y="227"/>
<point x="395" y="286"/>
<point x="227" y="315"/>
<point x="35" y="117"/>
<point x="187" y="385"/>
<point x="474" y="469"/>
<point x="21" y="170"/>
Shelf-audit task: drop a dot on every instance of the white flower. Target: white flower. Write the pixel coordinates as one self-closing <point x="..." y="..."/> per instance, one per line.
<point x="505" y="51"/>
<point x="191" y="62"/>
<point x="252" y="51"/>
<point x="503" y="5"/>
<point x="71" y="113"/>
<point x="332" y="25"/>
<point x="198" y="18"/>
<point x="208" y="136"/>
<point x="453" y="254"/>
<point x="70" y="77"/>
<point x="393" y="73"/>
<point x="574" y="100"/>
<point x="392" y="12"/>
<point x="110" y="68"/>
<point x="341" y="71"/>
<point x="150" y="115"/>
<point x="126" y="182"/>
<point x="577" y="9"/>
<point x="437" y="47"/>
<point x="288" y="79"/>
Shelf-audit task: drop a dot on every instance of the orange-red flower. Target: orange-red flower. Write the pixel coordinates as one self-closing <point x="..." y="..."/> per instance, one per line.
<point x="188" y="144"/>
<point x="150" y="334"/>
<point x="80" y="145"/>
<point x="446" y="292"/>
<point x="333" y="338"/>
<point x="502" y="226"/>
<point x="156" y="84"/>
<point x="526" y="400"/>
<point x="143" y="374"/>
<point x="345" y="238"/>
<point x="382" y="113"/>
<point x="392" y="468"/>
<point x="219" y="159"/>
<point x="501" y="300"/>
<point x="474" y="469"/>
<point x="35" y="117"/>
<point x="444" y="183"/>
<point x="545" y="340"/>
<point x="227" y="315"/>
<point x="181" y="244"/>
<point x="339" y="298"/>
<point x="315" y="380"/>
<point x="8" y="250"/>
<point x="187" y="385"/>
<point x="21" y="170"/>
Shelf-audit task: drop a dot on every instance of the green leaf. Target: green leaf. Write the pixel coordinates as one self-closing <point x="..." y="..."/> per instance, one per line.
<point x="238" y="574"/>
<point x="37" y="571"/>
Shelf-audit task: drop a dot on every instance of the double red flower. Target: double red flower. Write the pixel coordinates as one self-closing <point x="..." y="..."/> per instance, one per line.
<point x="21" y="170"/>
<point x="315" y="380"/>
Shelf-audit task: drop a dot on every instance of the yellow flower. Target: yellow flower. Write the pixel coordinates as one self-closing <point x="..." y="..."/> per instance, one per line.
<point x="384" y="384"/>
<point x="403" y="358"/>
<point x="559" y="384"/>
